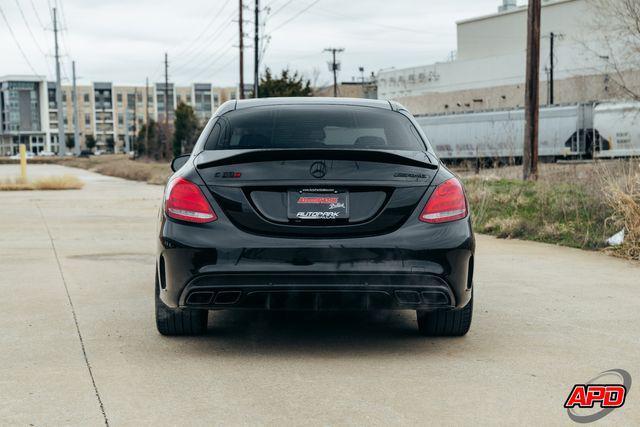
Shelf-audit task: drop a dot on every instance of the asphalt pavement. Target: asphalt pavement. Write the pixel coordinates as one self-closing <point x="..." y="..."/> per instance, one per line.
<point x="79" y="345"/>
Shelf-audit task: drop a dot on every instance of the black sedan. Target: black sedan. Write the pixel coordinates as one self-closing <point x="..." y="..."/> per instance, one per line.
<point x="314" y="204"/>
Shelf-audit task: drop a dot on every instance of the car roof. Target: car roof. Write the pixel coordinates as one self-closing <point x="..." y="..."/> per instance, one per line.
<point x="359" y="102"/>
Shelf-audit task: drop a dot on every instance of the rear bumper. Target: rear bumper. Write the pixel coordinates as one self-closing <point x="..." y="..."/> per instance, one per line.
<point x="419" y="266"/>
<point x="317" y="292"/>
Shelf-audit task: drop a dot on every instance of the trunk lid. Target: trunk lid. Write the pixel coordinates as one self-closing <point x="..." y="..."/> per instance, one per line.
<point x="317" y="193"/>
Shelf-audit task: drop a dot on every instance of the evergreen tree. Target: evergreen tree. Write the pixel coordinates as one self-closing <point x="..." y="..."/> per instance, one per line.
<point x="185" y="129"/>
<point x="288" y="84"/>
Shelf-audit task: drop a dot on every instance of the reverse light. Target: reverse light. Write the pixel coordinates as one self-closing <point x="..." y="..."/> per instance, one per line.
<point x="186" y="202"/>
<point x="447" y="203"/>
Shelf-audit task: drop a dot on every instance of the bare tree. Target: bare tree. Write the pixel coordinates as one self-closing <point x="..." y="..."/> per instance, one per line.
<point x="617" y="23"/>
<point x="315" y="75"/>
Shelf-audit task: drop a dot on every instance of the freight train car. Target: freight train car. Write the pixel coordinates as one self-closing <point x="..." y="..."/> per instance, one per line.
<point x="619" y="125"/>
<point x="566" y="131"/>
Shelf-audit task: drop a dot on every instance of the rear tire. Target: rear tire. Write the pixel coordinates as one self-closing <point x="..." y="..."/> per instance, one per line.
<point x="453" y="323"/>
<point x="176" y="321"/>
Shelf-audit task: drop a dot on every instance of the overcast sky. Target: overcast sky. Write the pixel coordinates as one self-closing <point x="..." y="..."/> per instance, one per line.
<point x="124" y="40"/>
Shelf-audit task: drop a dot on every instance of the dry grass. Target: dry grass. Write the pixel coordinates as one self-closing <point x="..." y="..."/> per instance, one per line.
<point x="622" y="193"/>
<point x="64" y="182"/>
<point x="122" y="167"/>
<point x="118" y="165"/>
<point x="564" y="213"/>
<point x="15" y="184"/>
<point x="578" y="205"/>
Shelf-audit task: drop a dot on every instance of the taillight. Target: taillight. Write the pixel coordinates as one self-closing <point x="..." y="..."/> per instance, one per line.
<point x="186" y="202"/>
<point x="447" y="203"/>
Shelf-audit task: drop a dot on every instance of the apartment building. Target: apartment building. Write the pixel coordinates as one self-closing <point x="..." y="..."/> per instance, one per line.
<point x="24" y="116"/>
<point x="111" y="113"/>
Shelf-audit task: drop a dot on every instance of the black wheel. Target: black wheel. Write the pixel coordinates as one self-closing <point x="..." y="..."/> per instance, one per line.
<point x="453" y="323"/>
<point x="176" y="321"/>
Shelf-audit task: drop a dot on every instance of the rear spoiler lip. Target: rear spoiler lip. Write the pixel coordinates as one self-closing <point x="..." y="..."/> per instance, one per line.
<point x="213" y="158"/>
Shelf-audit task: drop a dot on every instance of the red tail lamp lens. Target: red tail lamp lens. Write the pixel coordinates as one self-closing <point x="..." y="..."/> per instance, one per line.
<point x="186" y="202"/>
<point x="447" y="203"/>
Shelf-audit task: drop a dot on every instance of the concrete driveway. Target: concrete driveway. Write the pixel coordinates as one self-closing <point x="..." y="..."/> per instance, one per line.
<point x="79" y="345"/>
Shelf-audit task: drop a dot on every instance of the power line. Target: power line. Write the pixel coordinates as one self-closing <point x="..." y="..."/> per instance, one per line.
<point x="218" y="58"/>
<point x="24" y="56"/>
<point x="62" y="15"/>
<point x="207" y="27"/>
<point x="33" y="37"/>
<point x="196" y="53"/>
<point x="50" y="9"/>
<point x="295" y="16"/>
<point x="158" y="72"/>
<point x="275" y="12"/>
<point x="209" y="61"/>
<point x="33" y="6"/>
<point x="205" y="43"/>
<point x="226" y="64"/>
<point x="326" y="12"/>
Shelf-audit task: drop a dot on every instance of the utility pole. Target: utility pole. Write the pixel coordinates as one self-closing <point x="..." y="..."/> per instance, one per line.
<point x="146" y="116"/>
<point x="135" y="116"/>
<point x="532" y="102"/>
<point x="166" y="149"/>
<point x="256" y="40"/>
<point x="61" y="142"/>
<point x="166" y="92"/>
<point x="334" y="67"/>
<point x="127" y="143"/>
<point x="76" y="118"/>
<point x="551" y="40"/>
<point x="241" y="47"/>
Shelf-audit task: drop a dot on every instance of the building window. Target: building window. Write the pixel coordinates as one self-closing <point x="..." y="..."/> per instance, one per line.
<point x="119" y="99"/>
<point x="120" y="119"/>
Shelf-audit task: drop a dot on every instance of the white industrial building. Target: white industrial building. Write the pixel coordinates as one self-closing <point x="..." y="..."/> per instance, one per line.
<point x="489" y="69"/>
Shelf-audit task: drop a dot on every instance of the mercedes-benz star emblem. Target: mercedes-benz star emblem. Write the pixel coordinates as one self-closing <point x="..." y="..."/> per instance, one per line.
<point x="318" y="169"/>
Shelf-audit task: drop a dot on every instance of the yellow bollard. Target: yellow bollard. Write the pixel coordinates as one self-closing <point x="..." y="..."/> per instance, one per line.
<point x="23" y="162"/>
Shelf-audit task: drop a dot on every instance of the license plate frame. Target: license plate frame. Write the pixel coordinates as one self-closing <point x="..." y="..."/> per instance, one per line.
<point x="318" y="206"/>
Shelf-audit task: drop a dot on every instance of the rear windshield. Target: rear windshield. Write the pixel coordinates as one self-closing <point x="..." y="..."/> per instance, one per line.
<point x="337" y="126"/>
